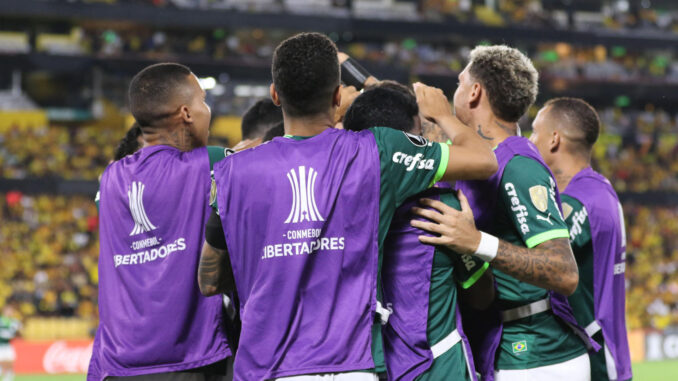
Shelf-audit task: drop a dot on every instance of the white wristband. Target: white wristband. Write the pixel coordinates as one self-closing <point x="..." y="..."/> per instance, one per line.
<point x="488" y="247"/>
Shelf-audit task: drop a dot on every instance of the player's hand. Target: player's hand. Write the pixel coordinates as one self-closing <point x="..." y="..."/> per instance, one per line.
<point x="433" y="104"/>
<point x="348" y="95"/>
<point x="432" y="131"/>
<point x="342" y="57"/>
<point x="456" y="229"/>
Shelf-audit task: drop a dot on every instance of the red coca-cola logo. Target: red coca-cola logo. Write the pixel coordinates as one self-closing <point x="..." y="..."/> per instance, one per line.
<point x="60" y="358"/>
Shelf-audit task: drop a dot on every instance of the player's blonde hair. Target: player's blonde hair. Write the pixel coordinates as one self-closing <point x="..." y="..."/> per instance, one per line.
<point x="508" y="77"/>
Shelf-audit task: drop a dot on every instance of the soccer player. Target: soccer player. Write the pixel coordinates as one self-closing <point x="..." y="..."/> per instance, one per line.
<point x="9" y="328"/>
<point x="524" y="236"/>
<point x="304" y="218"/>
<point x="154" y="323"/>
<point x="565" y="131"/>
<point x="422" y="339"/>
<point x="256" y="122"/>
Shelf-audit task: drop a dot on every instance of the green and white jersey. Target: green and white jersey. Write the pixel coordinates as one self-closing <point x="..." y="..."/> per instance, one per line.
<point x="530" y="217"/>
<point x="8" y="329"/>
<point x="449" y="271"/>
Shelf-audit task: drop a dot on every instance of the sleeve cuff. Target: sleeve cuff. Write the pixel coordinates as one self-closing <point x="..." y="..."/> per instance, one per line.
<point x="444" y="159"/>
<point x="476" y="275"/>
<point x="546" y="236"/>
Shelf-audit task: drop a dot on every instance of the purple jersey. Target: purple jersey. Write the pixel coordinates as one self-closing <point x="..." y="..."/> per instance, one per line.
<point x="606" y="220"/>
<point x="301" y="225"/>
<point x="153" y="318"/>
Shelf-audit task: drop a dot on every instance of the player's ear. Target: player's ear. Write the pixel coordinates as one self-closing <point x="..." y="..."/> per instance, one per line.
<point x="336" y="97"/>
<point x="274" y="95"/>
<point x="554" y="144"/>
<point x="185" y="114"/>
<point x="475" y="95"/>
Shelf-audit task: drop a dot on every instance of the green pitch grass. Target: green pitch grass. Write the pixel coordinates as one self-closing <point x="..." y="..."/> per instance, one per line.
<point x="646" y="371"/>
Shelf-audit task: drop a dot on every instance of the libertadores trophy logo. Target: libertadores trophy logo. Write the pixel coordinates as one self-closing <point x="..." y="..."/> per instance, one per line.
<point x="136" y="207"/>
<point x="304" y="207"/>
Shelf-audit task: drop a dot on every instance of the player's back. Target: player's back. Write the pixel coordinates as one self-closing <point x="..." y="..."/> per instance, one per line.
<point x="153" y="209"/>
<point x="301" y="222"/>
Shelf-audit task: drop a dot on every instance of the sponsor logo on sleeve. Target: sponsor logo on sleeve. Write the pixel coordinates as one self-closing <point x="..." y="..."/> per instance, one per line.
<point x="539" y="197"/>
<point x="578" y="220"/>
<point x="413" y="162"/>
<point x="417" y="140"/>
<point x="213" y="192"/>
<point x="567" y="210"/>
<point x="518" y="208"/>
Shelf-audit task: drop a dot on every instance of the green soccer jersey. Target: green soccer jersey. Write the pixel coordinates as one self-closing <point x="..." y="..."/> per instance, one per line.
<point x="449" y="270"/>
<point x="409" y="164"/>
<point x="8" y="329"/>
<point x="577" y="219"/>
<point x="528" y="217"/>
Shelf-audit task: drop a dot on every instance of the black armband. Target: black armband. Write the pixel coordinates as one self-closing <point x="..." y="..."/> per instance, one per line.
<point x="214" y="233"/>
<point x="353" y="74"/>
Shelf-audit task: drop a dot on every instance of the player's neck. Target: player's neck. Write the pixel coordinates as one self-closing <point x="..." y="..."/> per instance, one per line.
<point x="176" y="137"/>
<point x="307" y="126"/>
<point x="567" y="167"/>
<point x="494" y="130"/>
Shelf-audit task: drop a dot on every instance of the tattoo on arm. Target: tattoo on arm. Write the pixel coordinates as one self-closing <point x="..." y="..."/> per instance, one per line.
<point x="480" y="132"/>
<point x="215" y="275"/>
<point x="550" y="265"/>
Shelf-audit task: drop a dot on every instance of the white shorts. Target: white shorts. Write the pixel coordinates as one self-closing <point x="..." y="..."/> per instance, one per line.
<point x="7" y="353"/>
<point x="577" y="369"/>
<point x="347" y="376"/>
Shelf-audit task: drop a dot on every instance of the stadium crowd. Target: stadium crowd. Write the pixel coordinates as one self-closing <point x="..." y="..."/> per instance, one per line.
<point x="638" y="151"/>
<point x="620" y="15"/>
<point x="50" y="250"/>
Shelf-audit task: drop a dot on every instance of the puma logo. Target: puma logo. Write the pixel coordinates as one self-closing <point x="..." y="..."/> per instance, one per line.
<point x="547" y="218"/>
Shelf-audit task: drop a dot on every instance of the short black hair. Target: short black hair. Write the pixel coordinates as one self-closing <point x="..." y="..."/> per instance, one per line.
<point x="393" y="85"/>
<point x="305" y="72"/>
<point x="382" y="107"/>
<point x="259" y="118"/>
<point x="129" y="144"/>
<point x="155" y="87"/>
<point x="581" y="118"/>
<point x="275" y="131"/>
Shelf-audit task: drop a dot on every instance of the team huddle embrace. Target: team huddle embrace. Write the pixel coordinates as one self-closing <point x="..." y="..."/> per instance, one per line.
<point x="362" y="230"/>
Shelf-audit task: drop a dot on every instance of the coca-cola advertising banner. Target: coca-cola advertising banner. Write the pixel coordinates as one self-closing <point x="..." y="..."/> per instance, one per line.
<point x="63" y="356"/>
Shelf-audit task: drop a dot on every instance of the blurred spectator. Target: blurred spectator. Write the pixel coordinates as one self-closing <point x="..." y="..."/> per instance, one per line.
<point x="50" y="252"/>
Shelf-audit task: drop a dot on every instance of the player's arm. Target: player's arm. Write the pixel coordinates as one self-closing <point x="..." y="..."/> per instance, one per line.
<point x="470" y="157"/>
<point x="549" y="265"/>
<point x="215" y="275"/>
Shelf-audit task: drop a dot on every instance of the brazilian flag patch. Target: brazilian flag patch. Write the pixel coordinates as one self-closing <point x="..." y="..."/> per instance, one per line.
<point x="520" y="346"/>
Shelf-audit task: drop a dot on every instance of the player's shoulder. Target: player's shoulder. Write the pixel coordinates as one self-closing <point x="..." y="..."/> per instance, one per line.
<point x="525" y="169"/>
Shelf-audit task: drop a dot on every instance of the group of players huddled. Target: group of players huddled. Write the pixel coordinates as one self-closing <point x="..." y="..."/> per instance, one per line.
<point x="376" y="234"/>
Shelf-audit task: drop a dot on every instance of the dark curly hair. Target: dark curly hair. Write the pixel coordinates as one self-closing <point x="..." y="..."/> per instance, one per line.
<point x="305" y="72"/>
<point x="509" y="78"/>
<point x="128" y="144"/>
<point x="382" y="107"/>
